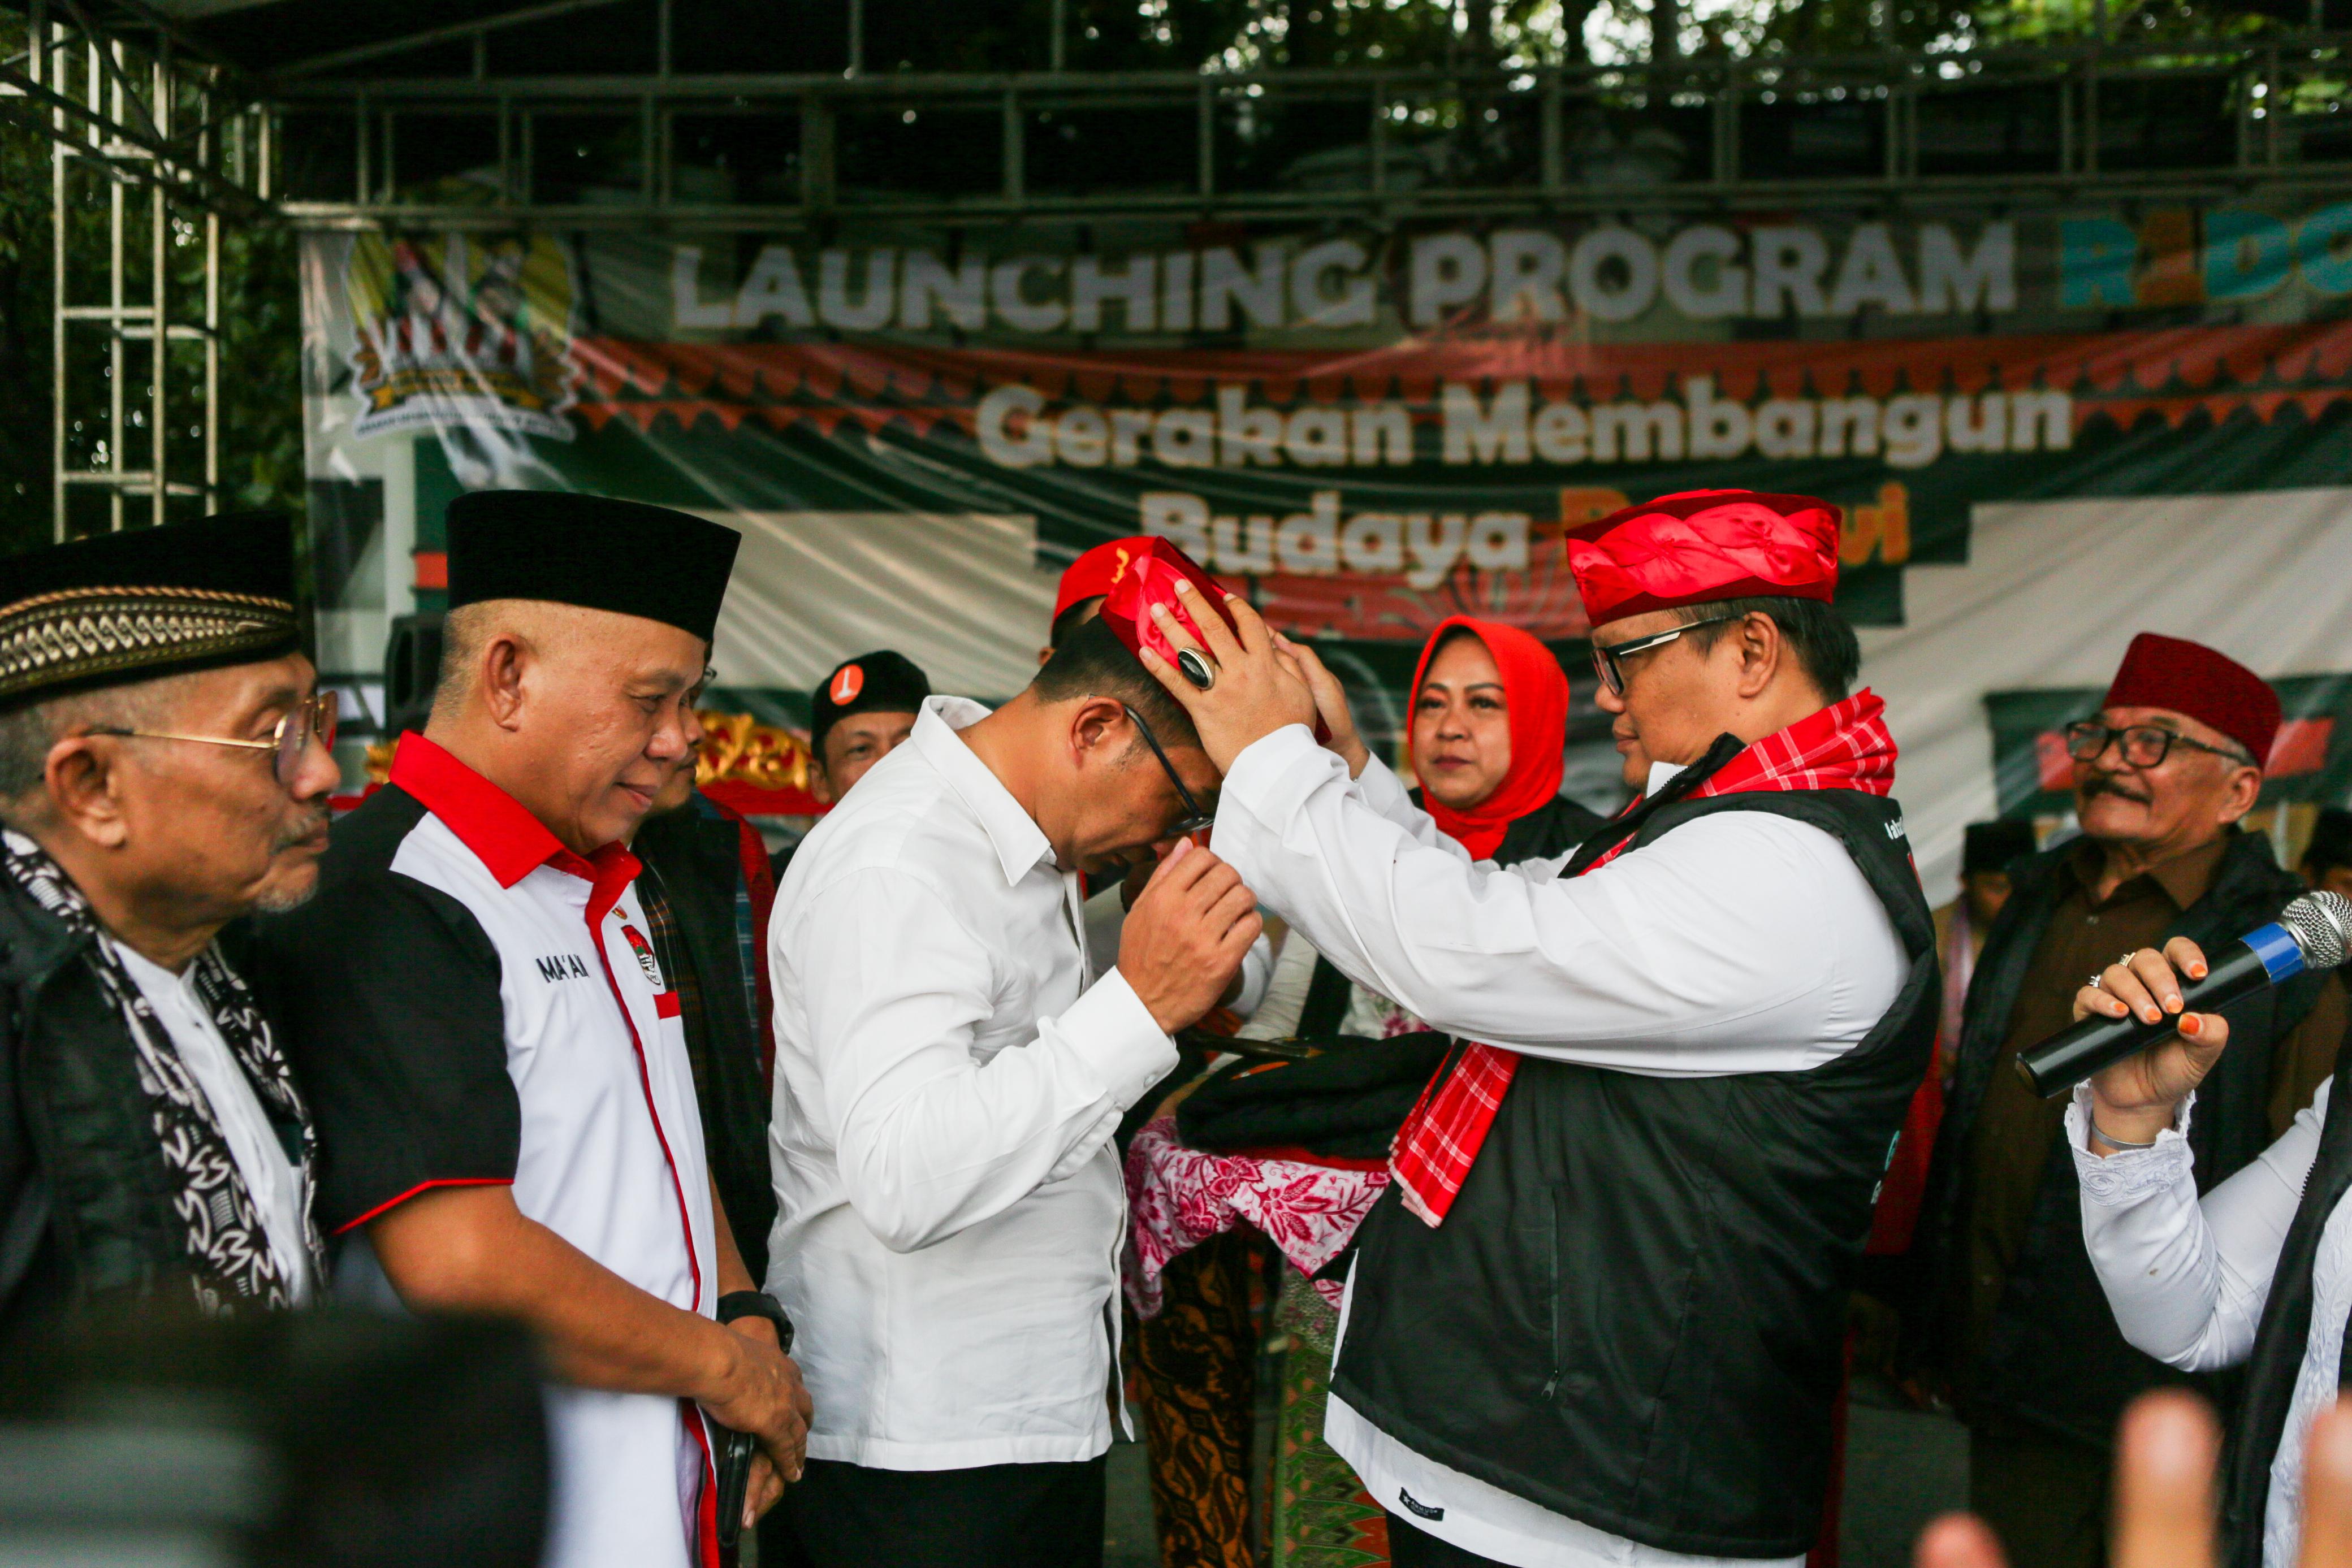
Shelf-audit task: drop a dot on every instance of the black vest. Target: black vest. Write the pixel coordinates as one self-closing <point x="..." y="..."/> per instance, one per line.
<point x="86" y="1205"/>
<point x="2054" y="1356"/>
<point x="695" y="861"/>
<point x="2269" y="1380"/>
<point x="1634" y="1312"/>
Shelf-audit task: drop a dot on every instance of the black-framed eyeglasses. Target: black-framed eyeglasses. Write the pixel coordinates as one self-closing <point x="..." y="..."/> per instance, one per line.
<point x="2143" y="745"/>
<point x="1195" y="820"/>
<point x="317" y="716"/>
<point x="1606" y="660"/>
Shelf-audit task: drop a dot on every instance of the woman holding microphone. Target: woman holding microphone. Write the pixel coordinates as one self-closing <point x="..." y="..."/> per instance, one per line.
<point x="2256" y="1273"/>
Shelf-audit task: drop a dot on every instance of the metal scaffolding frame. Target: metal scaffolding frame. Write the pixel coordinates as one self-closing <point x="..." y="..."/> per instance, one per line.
<point x="182" y="141"/>
<point x="174" y="139"/>
<point x="2260" y="91"/>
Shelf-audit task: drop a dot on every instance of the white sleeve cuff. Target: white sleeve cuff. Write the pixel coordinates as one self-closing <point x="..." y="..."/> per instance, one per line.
<point x="1111" y="1029"/>
<point x="2128" y="1176"/>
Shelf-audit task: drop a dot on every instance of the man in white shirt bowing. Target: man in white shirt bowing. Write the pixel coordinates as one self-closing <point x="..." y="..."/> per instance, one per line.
<point x="1597" y="1319"/>
<point x="950" y="1212"/>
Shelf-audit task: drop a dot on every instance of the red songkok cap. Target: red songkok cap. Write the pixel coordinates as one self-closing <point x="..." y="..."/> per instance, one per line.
<point x="1150" y="579"/>
<point x="2192" y="680"/>
<point x="1098" y="571"/>
<point x="1702" y="546"/>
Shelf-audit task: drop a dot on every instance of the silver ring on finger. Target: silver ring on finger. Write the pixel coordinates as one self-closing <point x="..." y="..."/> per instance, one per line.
<point x="1196" y="667"/>
<point x="2098" y="981"/>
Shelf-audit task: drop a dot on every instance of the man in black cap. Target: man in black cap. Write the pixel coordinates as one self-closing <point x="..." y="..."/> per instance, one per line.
<point x="858" y="714"/>
<point x="494" y="1049"/>
<point x="862" y="713"/>
<point x="163" y="768"/>
<point x="1987" y="849"/>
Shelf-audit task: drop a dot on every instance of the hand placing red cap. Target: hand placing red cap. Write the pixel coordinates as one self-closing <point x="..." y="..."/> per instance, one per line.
<point x="1257" y="681"/>
<point x="1149" y="581"/>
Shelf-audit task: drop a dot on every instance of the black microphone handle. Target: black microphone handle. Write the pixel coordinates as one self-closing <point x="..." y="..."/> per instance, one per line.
<point x="2068" y="1057"/>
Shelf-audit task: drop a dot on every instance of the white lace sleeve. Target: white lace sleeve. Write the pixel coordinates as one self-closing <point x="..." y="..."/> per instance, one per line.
<point x="2188" y="1280"/>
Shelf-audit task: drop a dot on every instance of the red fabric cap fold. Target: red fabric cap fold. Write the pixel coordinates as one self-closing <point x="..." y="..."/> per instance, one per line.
<point x="1535" y="700"/>
<point x="1098" y="571"/>
<point x="1702" y="546"/>
<point x="2192" y="680"/>
<point x="1150" y="579"/>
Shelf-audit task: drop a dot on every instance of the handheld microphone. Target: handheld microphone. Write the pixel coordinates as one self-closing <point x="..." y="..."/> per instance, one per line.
<point x="2311" y="932"/>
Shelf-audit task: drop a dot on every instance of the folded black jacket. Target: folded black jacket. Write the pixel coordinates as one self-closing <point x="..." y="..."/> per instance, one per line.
<point x="1344" y="1102"/>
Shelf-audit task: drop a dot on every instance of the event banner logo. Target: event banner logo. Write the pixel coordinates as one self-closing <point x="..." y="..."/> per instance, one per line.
<point x="458" y="330"/>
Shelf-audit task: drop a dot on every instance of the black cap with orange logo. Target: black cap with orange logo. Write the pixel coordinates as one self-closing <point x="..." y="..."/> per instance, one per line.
<point x="879" y="681"/>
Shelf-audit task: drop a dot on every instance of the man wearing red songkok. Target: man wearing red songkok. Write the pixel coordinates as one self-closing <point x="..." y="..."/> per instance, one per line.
<point x="952" y="1061"/>
<point x="2014" y="1322"/>
<point x="1597" y="1320"/>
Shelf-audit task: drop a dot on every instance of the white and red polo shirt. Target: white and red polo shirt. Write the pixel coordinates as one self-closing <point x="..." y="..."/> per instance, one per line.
<point x="467" y="1002"/>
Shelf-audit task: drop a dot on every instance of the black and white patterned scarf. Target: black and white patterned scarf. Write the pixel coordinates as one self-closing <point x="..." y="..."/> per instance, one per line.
<point x="230" y="1260"/>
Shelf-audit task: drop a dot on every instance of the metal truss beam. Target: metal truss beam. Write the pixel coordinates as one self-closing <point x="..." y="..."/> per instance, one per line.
<point x="2247" y="92"/>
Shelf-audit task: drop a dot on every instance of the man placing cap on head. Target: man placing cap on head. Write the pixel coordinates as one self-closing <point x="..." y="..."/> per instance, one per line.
<point x="2021" y="1332"/>
<point x="1597" y="1317"/>
<point x="948" y="1076"/>
<point x="163" y="768"/>
<point x="503" y="1089"/>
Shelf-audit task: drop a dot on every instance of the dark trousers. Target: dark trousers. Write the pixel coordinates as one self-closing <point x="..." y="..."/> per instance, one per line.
<point x="991" y="1516"/>
<point x="2045" y="1496"/>
<point x="1409" y="1548"/>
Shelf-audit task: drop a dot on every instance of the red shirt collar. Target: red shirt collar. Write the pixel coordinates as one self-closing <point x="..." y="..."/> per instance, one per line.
<point x="510" y="842"/>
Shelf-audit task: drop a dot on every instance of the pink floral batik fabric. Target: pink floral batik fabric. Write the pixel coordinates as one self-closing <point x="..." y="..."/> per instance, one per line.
<point x="1178" y="1198"/>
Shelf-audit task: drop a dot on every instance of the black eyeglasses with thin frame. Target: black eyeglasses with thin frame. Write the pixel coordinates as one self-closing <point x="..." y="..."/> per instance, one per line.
<point x="1606" y="659"/>
<point x="2142" y="744"/>
<point x="317" y="716"/>
<point x="1195" y="820"/>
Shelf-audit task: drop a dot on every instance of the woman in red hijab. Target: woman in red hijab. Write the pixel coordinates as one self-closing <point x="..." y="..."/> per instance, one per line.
<point x="1489" y="720"/>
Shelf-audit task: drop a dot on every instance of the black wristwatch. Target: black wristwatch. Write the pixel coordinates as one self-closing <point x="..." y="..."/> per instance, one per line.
<point x="758" y="1304"/>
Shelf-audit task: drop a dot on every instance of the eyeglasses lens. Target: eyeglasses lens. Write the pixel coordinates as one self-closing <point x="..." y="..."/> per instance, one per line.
<point x="318" y="717"/>
<point x="1604" y="664"/>
<point x="2142" y="746"/>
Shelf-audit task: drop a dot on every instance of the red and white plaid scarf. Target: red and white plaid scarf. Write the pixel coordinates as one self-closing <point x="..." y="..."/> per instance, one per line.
<point x="1846" y="746"/>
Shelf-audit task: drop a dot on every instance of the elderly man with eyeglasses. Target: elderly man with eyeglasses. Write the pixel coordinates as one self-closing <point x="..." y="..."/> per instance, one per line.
<point x="163" y="769"/>
<point x="2016" y="1325"/>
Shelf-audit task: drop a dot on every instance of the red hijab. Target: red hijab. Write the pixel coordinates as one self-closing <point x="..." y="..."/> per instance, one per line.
<point x="1535" y="700"/>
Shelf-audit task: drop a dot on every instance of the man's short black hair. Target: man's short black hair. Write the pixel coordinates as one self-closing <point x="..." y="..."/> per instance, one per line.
<point x="1091" y="661"/>
<point x="1070" y="619"/>
<point x="1825" y="646"/>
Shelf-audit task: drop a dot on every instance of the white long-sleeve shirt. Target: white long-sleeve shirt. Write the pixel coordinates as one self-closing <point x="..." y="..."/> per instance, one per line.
<point x="949" y="1209"/>
<point x="2188" y="1280"/>
<point x="1742" y="942"/>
